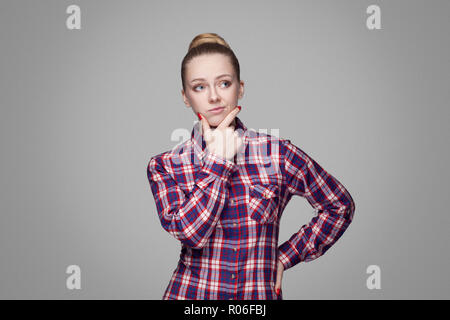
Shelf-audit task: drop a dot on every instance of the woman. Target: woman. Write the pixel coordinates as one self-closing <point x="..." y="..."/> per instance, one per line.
<point x="222" y="192"/>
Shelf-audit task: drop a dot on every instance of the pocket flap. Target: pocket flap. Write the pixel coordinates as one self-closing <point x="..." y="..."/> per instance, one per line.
<point x="264" y="191"/>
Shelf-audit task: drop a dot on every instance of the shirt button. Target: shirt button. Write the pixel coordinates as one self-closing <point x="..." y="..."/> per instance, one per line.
<point x="232" y="276"/>
<point x="230" y="298"/>
<point x="232" y="201"/>
<point x="234" y="249"/>
<point x="235" y="224"/>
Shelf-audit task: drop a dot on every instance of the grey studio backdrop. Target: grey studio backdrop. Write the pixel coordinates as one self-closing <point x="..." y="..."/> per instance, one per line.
<point x="82" y="112"/>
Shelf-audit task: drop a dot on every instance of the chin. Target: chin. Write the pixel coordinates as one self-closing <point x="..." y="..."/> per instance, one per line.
<point x="215" y="121"/>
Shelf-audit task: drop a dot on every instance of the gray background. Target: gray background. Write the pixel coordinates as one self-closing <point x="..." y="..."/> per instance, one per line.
<point x="82" y="112"/>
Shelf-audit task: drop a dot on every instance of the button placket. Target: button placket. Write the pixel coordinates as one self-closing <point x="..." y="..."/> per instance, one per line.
<point x="233" y="276"/>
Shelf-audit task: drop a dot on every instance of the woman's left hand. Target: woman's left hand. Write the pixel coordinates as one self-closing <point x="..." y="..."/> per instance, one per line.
<point x="280" y="269"/>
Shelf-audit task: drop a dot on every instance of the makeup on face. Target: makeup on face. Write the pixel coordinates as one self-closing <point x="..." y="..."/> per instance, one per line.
<point x="217" y="110"/>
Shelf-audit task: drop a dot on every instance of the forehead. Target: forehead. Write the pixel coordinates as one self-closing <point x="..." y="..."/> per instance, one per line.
<point x="209" y="66"/>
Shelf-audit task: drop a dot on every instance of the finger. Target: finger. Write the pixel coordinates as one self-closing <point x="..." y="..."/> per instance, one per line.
<point x="205" y="125"/>
<point x="279" y="276"/>
<point x="229" y="118"/>
<point x="278" y="282"/>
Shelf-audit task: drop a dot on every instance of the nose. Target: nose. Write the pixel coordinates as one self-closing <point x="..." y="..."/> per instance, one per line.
<point x="213" y="96"/>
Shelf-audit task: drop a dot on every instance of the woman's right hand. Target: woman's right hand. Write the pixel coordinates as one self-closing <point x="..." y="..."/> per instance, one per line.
<point x="223" y="140"/>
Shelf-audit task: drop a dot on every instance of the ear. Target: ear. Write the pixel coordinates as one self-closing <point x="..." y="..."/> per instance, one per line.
<point x="241" y="89"/>
<point x="185" y="99"/>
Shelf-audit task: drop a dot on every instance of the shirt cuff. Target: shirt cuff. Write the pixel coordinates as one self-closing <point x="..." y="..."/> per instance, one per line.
<point x="215" y="167"/>
<point x="288" y="255"/>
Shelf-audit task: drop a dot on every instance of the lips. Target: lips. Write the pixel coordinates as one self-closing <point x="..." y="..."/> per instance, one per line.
<point x="216" y="109"/>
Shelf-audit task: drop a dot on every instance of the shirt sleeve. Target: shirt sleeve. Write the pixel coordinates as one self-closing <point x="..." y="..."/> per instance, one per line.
<point x="332" y="202"/>
<point x="191" y="218"/>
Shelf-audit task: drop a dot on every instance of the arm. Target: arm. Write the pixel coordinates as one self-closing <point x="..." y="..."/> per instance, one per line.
<point x="191" y="218"/>
<point x="332" y="202"/>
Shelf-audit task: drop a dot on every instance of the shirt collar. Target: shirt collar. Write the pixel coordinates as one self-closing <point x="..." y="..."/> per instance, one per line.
<point x="199" y="144"/>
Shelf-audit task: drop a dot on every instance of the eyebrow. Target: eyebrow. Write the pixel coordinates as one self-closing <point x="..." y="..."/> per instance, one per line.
<point x="222" y="75"/>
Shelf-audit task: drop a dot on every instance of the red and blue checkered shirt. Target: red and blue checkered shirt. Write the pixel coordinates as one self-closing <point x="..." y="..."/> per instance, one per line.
<point x="226" y="214"/>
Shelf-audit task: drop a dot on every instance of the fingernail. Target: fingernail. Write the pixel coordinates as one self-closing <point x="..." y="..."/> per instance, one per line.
<point x="199" y="116"/>
<point x="239" y="108"/>
<point x="278" y="291"/>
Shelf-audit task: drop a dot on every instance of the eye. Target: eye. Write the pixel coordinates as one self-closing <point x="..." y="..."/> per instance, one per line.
<point x="227" y="82"/>
<point x="195" y="88"/>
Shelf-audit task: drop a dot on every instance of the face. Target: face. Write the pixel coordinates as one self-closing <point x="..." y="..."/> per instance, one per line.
<point x="210" y="83"/>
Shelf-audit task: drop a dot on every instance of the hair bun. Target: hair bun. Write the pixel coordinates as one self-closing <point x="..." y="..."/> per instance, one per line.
<point x="207" y="38"/>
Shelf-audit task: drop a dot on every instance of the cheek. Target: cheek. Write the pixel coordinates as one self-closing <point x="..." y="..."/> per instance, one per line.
<point x="230" y="94"/>
<point x="235" y="90"/>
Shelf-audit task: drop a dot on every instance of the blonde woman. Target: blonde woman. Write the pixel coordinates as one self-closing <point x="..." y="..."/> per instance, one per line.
<point x="223" y="191"/>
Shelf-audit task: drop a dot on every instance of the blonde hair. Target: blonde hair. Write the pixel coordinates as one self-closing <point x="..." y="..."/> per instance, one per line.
<point x="208" y="43"/>
<point x="207" y="38"/>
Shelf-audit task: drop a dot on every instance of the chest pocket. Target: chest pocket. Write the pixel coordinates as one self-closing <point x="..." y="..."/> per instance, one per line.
<point x="263" y="204"/>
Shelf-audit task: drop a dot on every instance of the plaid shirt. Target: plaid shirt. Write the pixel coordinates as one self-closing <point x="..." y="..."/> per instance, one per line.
<point x="227" y="214"/>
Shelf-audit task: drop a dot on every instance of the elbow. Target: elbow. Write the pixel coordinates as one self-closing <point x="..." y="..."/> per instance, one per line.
<point x="199" y="245"/>
<point x="347" y="210"/>
<point x="191" y="242"/>
<point x="181" y="233"/>
<point x="195" y="243"/>
<point x="350" y="209"/>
